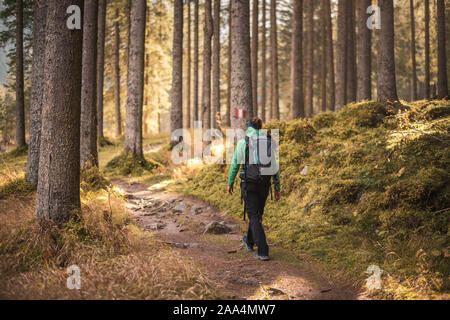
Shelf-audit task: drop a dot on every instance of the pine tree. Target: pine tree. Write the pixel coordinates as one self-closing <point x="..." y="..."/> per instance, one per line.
<point x="118" y="118"/>
<point x="442" y="52"/>
<point x="413" y="52"/>
<point x="215" y="105"/>
<point x="386" y="80"/>
<point x="364" y="49"/>
<point x="20" y="95"/>
<point x="297" y="107"/>
<point x="37" y="82"/>
<point x="88" y="141"/>
<point x="206" y="83"/>
<point x="241" y="79"/>
<point x="275" y="100"/>
<point x="176" y="111"/>
<point x="133" y="115"/>
<point x="254" y="56"/>
<point x="100" y="64"/>
<point x="58" y="192"/>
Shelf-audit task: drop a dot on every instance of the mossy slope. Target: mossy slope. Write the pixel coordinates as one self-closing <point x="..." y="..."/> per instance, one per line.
<point x="376" y="191"/>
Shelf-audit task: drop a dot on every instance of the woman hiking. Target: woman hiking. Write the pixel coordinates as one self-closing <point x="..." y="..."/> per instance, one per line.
<point x="256" y="155"/>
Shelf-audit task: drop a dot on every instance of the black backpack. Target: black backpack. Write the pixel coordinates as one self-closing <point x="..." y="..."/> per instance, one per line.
<point x="256" y="169"/>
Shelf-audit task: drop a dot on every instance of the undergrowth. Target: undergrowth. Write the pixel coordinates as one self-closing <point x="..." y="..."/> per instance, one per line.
<point x="128" y="165"/>
<point x="116" y="258"/>
<point x="376" y="191"/>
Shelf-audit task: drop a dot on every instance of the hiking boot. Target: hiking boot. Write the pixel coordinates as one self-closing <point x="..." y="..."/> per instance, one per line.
<point x="247" y="246"/>
<point x="262" y="258"/>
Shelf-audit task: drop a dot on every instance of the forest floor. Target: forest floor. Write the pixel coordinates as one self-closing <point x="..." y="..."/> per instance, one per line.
<point x="181" y="223"/>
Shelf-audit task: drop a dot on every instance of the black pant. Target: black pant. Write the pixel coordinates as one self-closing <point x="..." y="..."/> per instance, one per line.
<point x="255" y="201"/>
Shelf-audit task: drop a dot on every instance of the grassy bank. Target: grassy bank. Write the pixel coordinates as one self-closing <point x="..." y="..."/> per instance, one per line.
<point x="116" y="258"/>
<point x="375" y="191"/>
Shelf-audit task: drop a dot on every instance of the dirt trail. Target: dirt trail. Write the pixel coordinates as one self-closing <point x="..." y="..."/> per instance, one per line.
<point x="180" y="222"/>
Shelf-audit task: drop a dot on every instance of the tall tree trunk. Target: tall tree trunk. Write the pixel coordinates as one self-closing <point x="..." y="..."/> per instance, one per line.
<point x="196" y="49"/>
<point x="413" y="52"/>
<point x="262" y="107"/>
<point x="351" y="52"/>
<point x="20" y="98"/>
<point x="254" y="57"/>
<point x="128" y="36"/>
<point x="117" y="74"/>
<point x="323" y="71"/>
<point x="58" y="192"/>
<point x="427" y="49"/>
<point x="88" y="141"/>
<point x="176" y="111"/>
<point x="386" y="81"/>
<point x="330" y="59"/>
<point x="37" y="78"/>
<point x="297" y="107"/>
<point x="228" y="111"/>
<point x="341" y="56"/>
<point x="100" y="64"/>
<point x="215" y="107"/>
<point x="364" y="49"/>
<point x="133" y="115"/>
<point x="309" y="95"/>
<point x="442" y="53"/>
<point x="241" y="79"/>
<point x="188" y="80"/>
<point x="275" y="106"/>
<point x="206" y="83"/>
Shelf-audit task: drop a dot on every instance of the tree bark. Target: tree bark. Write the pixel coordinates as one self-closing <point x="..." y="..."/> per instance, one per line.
<point x="297" y="107"/>
<point x="262" y="107"/>
<point x="442" y="86"/>
<point x="215" y="110"/>
<point x="188" y="80"/>
<point x="228" y="111"/>
<point x="20" y="97"/>
<point x="58" y="192"/>
<point x="341" y="56"/>
<point x="196" y="49"/>
<point x="413" y="52"/>
<point x="427" y="49"/>
<point x="323" y="71"/>
<point x="309" y="60"/>
<point x="386" y="81"/>
<point x="100" y="64"/>
<point x="254" y="57"/>
<point x="351" y="52"/>
<point x="37" y="77"/>
<point x="330" y="58"/>
<point x="176" y="111"/>
<point x="88" y="141"/>
<point x="206" y="83"/>
<point x="133" y="115"/>
<point x="241" y="79"/>
<point x="275" y="104"/>
<point x="364" y="49"/>
<point x="117" y="74"/>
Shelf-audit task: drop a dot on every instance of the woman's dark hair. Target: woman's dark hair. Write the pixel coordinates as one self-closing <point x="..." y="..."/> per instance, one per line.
<point x="256" y="123"/>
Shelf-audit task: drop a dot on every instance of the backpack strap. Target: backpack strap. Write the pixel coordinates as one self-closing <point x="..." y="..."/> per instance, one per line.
<point x="244" y="192"/>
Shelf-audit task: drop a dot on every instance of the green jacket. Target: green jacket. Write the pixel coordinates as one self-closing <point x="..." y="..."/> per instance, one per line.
<point x="239" y="158"/>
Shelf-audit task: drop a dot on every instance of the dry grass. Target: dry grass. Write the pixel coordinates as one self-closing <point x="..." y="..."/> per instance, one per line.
<point x="117" y="259"/>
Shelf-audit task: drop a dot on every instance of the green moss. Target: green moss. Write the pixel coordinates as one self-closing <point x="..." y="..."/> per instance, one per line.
<point x="324" y="120"/>
<point x="93" y="180"/>
<point x="365" y="115"/>
<point x="128" y="165"/>
<point x="376" y="182"/>
<point x="16" y="187"/>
